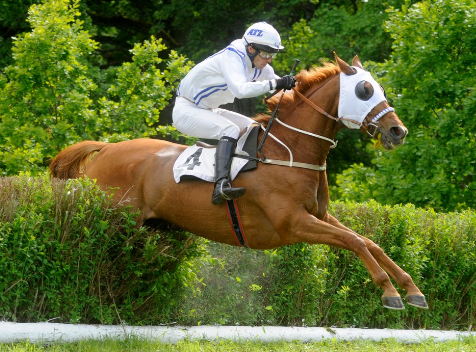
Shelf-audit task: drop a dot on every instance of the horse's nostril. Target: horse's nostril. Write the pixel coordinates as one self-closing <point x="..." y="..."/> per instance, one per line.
<point x="398" y="132"/>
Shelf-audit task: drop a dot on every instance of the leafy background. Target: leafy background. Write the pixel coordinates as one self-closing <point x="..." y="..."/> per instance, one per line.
<point x="74" y="70"/>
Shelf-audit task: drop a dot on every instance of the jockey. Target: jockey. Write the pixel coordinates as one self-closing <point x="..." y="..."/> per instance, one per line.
<point x="240" y="70"/>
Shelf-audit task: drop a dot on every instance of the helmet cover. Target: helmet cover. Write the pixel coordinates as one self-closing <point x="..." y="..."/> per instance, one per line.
<point x="264" y="37"/>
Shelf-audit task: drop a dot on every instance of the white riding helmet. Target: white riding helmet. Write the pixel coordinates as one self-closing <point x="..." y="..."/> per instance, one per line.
<point x="264" y="37"/>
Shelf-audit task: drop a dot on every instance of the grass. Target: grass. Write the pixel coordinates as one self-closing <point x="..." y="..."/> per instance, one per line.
<point x="464" y="345"/>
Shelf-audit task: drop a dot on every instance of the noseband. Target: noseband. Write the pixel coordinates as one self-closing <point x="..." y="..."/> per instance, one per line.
<point x="373" y="125"/>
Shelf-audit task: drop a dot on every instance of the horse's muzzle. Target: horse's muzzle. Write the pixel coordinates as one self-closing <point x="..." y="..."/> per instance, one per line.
<point x="395" y="137"/>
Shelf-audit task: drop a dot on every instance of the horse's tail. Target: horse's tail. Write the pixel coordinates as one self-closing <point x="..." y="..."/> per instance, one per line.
<point x="70" y="162"/>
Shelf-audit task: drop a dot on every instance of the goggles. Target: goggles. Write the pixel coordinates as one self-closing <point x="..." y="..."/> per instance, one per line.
<point x="265" y="55"/>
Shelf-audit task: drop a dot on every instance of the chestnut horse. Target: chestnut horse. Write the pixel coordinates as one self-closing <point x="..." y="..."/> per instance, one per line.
<point x="282" y="205"/>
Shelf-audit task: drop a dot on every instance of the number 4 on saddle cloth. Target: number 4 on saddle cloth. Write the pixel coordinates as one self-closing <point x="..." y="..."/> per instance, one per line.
<point x="198" y="161"/>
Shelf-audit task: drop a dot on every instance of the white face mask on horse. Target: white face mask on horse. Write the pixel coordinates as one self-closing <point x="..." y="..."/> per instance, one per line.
<point x="359" y="94"/>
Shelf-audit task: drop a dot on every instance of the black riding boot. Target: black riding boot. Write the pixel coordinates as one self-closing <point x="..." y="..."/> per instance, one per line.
<point x="223" y="157"/>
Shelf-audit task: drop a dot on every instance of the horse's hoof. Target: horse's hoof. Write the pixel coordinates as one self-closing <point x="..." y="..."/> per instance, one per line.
<point x="393" y="302"/>
<point x="417" y="301"/>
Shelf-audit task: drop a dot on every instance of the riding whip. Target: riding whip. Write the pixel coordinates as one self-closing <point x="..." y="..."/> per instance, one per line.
<point x="296" y="62"/>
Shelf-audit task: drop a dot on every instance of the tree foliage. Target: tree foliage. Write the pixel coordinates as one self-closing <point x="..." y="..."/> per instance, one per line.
<point x="194" y="28"/>
<point x="52" y="95"/>
<point x="12" y="22"/>
<point x="310" y="30"/>
<point x="431" y="78"/>
<point x="346" y="27"/>
<point x="349" y="28"/>
<point x="198" y="28"/>
<point x="73" y="76"/>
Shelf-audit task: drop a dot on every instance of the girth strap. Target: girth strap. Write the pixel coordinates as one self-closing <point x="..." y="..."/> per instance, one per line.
<point x="235" y="222"/>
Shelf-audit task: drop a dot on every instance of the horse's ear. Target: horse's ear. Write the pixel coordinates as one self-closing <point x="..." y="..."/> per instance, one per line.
<point x="356" y="62"/>
<point x="344" y="66"/>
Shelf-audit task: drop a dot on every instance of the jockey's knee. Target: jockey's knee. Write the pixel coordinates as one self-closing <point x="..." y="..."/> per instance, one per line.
<point x="232" y="131"/>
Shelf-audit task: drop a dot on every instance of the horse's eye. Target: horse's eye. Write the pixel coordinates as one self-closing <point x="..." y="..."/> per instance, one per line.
<point x="364" y="90"/>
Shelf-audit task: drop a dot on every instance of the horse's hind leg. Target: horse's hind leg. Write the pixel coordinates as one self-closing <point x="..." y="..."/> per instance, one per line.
<point x="414" y="296"/>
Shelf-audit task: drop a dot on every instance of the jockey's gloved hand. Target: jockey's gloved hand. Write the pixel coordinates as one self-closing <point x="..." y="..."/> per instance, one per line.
<point x="285" y="82"/>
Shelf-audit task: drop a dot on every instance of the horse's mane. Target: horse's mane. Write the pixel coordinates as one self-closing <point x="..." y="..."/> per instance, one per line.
<point x="305" y="79"/>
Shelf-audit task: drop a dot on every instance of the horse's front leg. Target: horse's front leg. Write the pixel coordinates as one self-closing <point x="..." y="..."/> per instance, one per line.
<point x="304" y="227"/>
<point x="414" y="296"/>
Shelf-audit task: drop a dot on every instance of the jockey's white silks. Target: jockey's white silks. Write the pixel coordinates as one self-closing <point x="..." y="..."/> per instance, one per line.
<point x="353" y="110"/>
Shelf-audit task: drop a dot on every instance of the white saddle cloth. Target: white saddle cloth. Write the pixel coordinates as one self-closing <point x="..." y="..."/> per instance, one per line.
<point x="199" y="162"/>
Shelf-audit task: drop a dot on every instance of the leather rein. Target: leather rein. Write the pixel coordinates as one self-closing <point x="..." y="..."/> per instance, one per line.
<point x="291" y="163"/>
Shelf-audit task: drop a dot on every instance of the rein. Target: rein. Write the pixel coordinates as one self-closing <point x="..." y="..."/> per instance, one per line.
<point x="325" y="113"/>
<point x="334" y="143"/>
<point x="314" y="106"/>
<point x="291" y="163"/>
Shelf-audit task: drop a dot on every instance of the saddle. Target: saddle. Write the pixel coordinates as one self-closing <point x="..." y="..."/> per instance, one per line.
<point x="197" y="161"/>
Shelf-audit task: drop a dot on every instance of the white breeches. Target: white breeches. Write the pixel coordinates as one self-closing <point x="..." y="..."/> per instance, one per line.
<point x="211" y="124"/>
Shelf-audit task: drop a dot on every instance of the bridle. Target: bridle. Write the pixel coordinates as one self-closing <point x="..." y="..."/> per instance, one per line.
<point x="367" y="125"/>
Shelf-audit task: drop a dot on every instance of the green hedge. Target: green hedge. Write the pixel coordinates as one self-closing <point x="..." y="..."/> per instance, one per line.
<point x="322" y="286"/>
<point x="437" y="250"/>
<point x="67" y="254"/>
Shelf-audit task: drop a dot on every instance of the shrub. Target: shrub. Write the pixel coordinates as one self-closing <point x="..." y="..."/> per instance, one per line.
<point x="322" y="286"/>
<point x="66" y="253"/>
<point x="436" y="249"/>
